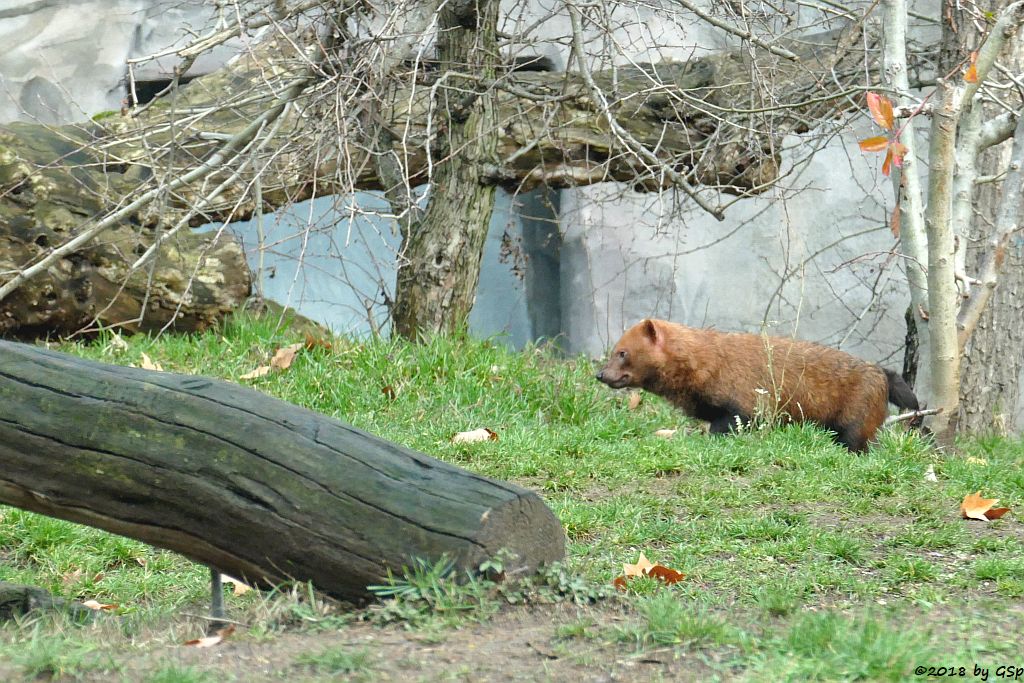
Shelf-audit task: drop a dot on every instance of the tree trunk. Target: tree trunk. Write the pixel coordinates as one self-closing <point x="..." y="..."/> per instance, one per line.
<point x="439" y="262"/>
<point x="248" y="484"/>
<point x="994" y="354"/>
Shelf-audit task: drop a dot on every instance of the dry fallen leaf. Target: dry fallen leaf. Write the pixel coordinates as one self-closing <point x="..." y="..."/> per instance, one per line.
<point x="93" y="604"/>
<point x="929" y="474"/>
<point x="645" y="567"/>
<point x="313" y="342"/>
<point x="210" y="641"/>
<point x="282" y="360"/>
<point x="634" y="400"/>
<point x="389" y="392"/>
<point x="240" y="587"/>
<point x="148" y="364"/>
<point x="118" y="343"/>
<point x="665" y="433"/>
<point x="475" y="436"/>
<point x="69" y="578"/>
<point x="642" y="566"/>
<point x="976" y="507"/>
<point x="258" y="372"/>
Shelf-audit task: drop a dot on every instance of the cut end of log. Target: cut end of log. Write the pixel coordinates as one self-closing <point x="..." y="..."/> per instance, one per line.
<point x="525" y="530"/>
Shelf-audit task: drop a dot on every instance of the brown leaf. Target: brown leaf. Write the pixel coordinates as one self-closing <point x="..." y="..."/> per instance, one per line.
<point x="258" y="372"/>
<point x="665" y="433"/>
<point x="635" y="398"/>
<point x="976" y="507"/>
<point x="644" y="567"/>
<point x="211" y="640"/>
<point x="389" y="392"/>
<point x="148" y="364"/>
<point x="239" y="586"/>
<point x="475" y="436"/>
<point x="894" y="222"/>
<point x="314" y="342"/>
<point x="665" y="575"/>
<point x="72" y="577"/>
<point x="99" y="606"/>
<point x="282" y="360"/>
<point x="638" y="569"/>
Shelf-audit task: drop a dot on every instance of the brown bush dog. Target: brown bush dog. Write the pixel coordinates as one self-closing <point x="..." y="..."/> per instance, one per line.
<point x="727" y="378"/>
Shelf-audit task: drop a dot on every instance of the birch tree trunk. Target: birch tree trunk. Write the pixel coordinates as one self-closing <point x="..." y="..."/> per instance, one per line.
<point x="994" y="354"/>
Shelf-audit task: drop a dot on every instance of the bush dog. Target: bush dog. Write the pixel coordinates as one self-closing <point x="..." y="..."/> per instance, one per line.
<point x="728" y="378"/>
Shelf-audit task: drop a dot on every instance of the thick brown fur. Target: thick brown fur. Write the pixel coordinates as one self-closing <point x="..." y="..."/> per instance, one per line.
<point x="729" y="378"/>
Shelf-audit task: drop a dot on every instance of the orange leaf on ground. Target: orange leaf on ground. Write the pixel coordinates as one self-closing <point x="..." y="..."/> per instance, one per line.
<point x="976" y="507"/>
<point x="645" y="567"/>
<point x="665" y="575"/>
<point x="638" y="569"/>
<point x="210" y="641"/>
<point x="634" y="400"/>
<point x="875" y="144"/>
<point x="98" y="606"/>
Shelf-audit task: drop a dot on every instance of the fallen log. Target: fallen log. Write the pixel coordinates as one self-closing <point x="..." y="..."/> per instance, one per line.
<point x="246" y="483"/>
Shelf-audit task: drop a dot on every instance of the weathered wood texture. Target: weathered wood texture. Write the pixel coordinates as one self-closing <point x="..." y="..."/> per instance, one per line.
<point x="51" y="185"/>
<point x="248" y="484"/>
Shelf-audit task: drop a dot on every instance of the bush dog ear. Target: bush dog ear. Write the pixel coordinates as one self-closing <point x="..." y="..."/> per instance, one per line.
<point x="650" y="330"/>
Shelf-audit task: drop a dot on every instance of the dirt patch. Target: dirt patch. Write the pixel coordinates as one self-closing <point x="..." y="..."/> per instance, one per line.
<point x="519" y="644"/>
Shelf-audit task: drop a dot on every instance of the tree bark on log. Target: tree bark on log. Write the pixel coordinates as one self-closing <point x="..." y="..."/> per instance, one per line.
<point x="193" y="283"/>
<point x="245" y="483"/>
<point x="55" y="182"/>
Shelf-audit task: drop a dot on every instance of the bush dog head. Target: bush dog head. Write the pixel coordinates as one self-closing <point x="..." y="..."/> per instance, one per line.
<point x="638" y="355"/>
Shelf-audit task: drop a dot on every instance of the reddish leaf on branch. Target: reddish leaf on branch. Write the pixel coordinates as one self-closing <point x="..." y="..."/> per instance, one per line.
<point x="971" y="75"/>
<point x="875" y="144"/>
<point x="881" y="110"/>
<point x="894" y="222"/>
<point x="899" y="150"/>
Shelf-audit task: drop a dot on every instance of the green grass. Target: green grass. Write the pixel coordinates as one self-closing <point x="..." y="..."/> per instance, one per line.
<point x="800" y="557"/>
